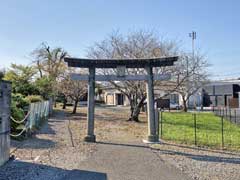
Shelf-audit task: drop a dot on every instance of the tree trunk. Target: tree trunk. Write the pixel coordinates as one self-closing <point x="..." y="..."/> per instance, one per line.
<point x="143" y="109"/>
<point x="75" y="107"/>
<point x="131" y="109"/>
<point x="185" y="108"/>
<point x="135" y="114"/>
<point x="39" y="69"/>
<point x="64" y="103"/>
<point x="54" y="101"/>
<point x="135" y="110"/>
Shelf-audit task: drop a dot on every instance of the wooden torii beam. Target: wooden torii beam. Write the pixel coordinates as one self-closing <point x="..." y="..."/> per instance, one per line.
<point x="120" y="64"/>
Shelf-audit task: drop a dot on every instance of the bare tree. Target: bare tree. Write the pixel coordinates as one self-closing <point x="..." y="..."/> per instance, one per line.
<point x="49" y="61"/>
<point x="190" y="75"/>
<point x="140" y="44"/>
<point x="72" y="89"/>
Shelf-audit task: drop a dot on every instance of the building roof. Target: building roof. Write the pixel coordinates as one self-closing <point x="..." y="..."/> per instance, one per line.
<point x="223" y="82"/>
<point x="114" y="63"/>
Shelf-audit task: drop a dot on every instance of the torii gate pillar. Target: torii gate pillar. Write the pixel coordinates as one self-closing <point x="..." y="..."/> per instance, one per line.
<point x="91" y="106"/>
<point x="152" y="133"/>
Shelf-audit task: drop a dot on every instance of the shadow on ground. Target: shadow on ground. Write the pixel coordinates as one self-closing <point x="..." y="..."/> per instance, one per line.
<point x="18" y="170"/>
<point x="33" y="143"/>
<point x="203" y="157"/>
<point x="204" y="149"/>
<point x="207" y="158"/>
<point x="122" y="144"/>
<point x="46" y="128"/>
<point x="77" y="116"/>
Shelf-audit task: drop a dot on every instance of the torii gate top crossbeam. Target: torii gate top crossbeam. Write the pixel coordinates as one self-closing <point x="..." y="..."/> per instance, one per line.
<point x="114" y="63"/>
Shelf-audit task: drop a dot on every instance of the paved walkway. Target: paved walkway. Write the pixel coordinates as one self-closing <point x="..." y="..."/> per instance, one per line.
<point x="129" y="162"/>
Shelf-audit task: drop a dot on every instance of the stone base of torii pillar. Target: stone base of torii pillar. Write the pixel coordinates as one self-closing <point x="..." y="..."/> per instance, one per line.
<point x="146" y="141"/>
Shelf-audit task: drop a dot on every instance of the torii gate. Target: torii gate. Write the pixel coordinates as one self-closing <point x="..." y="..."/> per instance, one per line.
<point x="121" y="64"/>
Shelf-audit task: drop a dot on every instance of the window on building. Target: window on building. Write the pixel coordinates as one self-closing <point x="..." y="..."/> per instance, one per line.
<point x="174" y="98"/>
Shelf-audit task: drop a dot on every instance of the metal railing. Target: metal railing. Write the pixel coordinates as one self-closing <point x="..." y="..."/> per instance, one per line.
<point x="231" y="114"/>
<point x="200" y="128"/>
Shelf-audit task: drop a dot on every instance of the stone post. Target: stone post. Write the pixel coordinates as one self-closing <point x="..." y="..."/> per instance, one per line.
<point x="91" y="103"/>
<point x="152" y="136"/>
<point x="5" y="104"/>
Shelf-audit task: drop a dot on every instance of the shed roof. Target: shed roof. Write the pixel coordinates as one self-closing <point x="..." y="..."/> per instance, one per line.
<point x="114" y="63"/>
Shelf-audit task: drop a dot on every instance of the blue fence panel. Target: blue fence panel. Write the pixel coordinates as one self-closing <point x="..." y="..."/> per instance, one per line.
<point x="39" y="111"/>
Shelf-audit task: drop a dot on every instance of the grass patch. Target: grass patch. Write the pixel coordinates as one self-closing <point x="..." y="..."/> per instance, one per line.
<point x="179" y="127"/>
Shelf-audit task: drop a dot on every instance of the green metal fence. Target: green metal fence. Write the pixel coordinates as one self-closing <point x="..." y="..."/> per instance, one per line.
<point x="200" y="129"/>
<point x="231" y="114"/>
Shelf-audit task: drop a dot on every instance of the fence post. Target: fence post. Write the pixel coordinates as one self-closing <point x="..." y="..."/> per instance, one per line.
<point x="157" y="121"/>
<point x="161" y="121"/>
<point x="235" y="114"/>
<point x="195" y="129"/>
<point x="45" y="110"/>
<point x="230" y="114"/>
<point x="222" y="133"/>
<point x="30" y="118"/>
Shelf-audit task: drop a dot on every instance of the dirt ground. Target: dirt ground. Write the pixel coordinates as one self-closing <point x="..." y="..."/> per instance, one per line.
<point x="58" y="149"/>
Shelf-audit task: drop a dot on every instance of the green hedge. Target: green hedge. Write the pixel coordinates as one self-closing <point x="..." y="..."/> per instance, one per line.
<point x="34" y="98"/>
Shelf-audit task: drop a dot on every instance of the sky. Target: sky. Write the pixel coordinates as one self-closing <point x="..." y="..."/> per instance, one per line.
<point x="76" y="25"/>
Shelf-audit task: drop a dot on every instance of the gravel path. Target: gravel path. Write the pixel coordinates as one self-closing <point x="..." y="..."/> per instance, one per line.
<point x="57" y="152"/>
<point x="51" y="154"/>
<point x="199" y="163"/>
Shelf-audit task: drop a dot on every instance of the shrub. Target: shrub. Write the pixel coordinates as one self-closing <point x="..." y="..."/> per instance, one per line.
<point x="34" y="98"/>
<point x="20" y="101"/>
<point x="16" y="112"/>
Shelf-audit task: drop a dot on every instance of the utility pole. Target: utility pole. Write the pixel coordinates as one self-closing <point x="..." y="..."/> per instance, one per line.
<point x="193" y="36"/>
<point x="187" y="81"/>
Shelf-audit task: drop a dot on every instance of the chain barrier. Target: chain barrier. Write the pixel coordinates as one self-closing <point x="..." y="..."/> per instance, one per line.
<point x="20" y="122"/>
<point x="19" y="134"/>
<point x="36" y="112"/>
